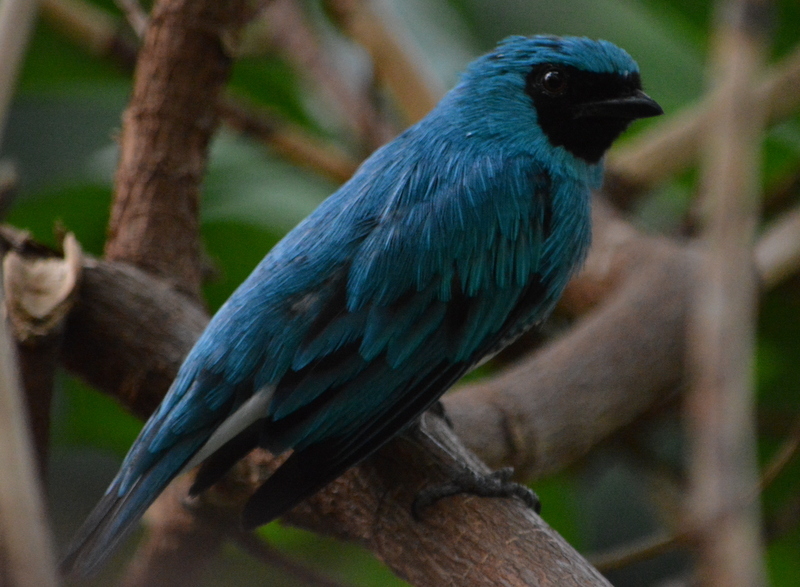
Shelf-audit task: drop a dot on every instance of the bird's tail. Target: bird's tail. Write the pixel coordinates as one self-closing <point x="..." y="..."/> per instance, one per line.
<point x="115" y="516"/>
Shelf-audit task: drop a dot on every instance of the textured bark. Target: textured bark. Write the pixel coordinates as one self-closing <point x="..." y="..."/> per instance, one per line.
<point x="129" y="333"/>
<point x="40" y="292"/>
<point x="180" y="74"/>
<point x="462" y="541"/>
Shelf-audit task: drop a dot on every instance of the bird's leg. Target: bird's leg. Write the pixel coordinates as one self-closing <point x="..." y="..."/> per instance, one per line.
<point x="467" y="481"/>
<point x="496" y="484"/>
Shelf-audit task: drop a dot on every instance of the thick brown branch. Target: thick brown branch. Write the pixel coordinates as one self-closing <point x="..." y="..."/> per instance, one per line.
<point x="129" y="333"/>
<point x="462" y="541"/>
<point x="180" y="74"/>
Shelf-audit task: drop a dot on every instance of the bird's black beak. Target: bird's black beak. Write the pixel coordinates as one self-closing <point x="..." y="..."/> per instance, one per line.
<point x="636" y="105"/>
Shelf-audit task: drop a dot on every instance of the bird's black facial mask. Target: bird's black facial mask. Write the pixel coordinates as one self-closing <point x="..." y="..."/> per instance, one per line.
<point x="585" y="111"/>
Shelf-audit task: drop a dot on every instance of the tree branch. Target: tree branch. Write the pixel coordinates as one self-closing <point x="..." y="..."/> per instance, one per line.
<point x="394" y="66"/>
<point x="720" y="403"/>
<point x="26" y="553"/>
<point x="295" y="38"/>
<point x="143" y="327"/>
<point x="17" y="19"/>
<point x="96" y="31"/>
<point x="129" y="333"/>
<point x="181" y="72"/>
<point x="464" y="541"/>
<point x="290" y="141"/>
<point x="672" y="145"/>
<point x="39" y="295"/>
<point x="777" y="253"/>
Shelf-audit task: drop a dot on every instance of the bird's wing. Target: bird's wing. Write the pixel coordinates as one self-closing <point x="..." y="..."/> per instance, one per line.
<point x="437" y="283"/>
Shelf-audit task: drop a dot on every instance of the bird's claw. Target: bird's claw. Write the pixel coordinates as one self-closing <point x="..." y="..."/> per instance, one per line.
<point x="497" y="484"/>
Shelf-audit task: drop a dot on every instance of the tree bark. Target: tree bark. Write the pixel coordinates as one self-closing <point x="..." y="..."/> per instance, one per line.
<point x="181" y="71"/>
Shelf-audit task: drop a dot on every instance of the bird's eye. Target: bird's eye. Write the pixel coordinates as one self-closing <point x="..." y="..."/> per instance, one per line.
<point x="554" y="81"/>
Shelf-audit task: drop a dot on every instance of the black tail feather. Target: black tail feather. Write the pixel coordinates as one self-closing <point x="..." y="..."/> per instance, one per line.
<point x="220" y="462"/>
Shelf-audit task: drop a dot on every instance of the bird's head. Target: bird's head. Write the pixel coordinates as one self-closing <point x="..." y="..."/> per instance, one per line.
<point x="581" y="93"/>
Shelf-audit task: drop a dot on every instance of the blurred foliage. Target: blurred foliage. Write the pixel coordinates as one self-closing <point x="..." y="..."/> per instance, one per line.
<point x="61" y="136"/>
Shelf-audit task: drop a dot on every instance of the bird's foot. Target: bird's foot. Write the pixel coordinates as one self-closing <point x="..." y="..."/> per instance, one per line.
<point x="497" y="484"/>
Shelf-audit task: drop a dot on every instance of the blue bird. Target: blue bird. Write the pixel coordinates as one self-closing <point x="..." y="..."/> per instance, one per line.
<point x="447" y="244"/>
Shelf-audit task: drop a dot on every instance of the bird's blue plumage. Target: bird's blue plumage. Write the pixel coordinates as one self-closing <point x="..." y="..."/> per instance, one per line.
<point x="447" y="243"/>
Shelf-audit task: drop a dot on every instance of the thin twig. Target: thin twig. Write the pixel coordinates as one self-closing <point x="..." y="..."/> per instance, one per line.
<point x="652" y="546"/>
<point x="298" y="41"/>
<point x="392" y="54"/>
<point x="637" y="551"/>
<point x="720" y="401"/>
<point x="289" y="140"/>
<point x="136" y="15"/>
<point x="777" y="253"/>
<point x="17" y="18"/>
